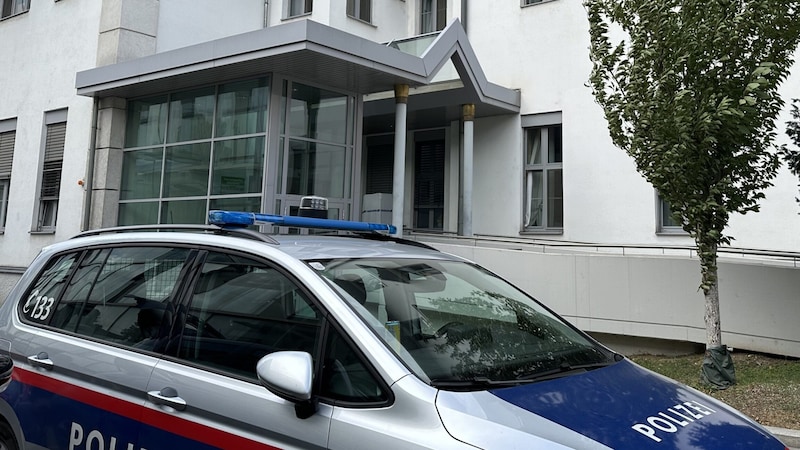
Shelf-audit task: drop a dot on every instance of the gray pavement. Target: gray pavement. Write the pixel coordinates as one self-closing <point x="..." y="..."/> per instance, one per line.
<point x="790" y="438"/>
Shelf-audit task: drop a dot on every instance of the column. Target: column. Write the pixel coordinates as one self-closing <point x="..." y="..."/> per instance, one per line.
<point x="398" y="182"/>
<point x="468" y="116"/>
<point x="107" y="168"/>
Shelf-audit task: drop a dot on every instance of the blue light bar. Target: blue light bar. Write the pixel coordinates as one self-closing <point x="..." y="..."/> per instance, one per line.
<point x="243" y="219"/>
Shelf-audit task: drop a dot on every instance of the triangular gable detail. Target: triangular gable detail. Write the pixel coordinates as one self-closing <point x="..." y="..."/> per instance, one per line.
<point x="452" y="43"/>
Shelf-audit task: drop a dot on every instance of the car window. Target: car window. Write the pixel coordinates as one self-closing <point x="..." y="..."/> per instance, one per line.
<point x="40" y="301"/>
<point x="345" y="377"/>
<point x="122" y="295"/>
<point x="457" y="325"/>
<point x="243" y="309"/>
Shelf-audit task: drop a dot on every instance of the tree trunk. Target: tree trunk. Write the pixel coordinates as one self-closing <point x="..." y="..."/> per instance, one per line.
<point x="710" y="286"/>
<point x="717" y="369"/>
<point x="713" y="328"/>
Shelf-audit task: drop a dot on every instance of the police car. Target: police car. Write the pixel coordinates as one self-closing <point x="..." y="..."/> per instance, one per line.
<point x="218" y="336"/>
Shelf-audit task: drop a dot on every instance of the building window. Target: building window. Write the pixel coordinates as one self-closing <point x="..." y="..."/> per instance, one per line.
<point x="191" y="151"/>
<point x="315" y="156"/>
<point x="360" y="9"/>
<point x="10" y="8"/>
<point x="544" y="190"/>
<point x="296" y="8"/>
<point x="534" y="2"/>
<point x="7" y="137"/>
<point x="50" y="188"/>
<point x="666" y="223"/>
<point x="433" y="15"/>
<point x="429" y="180"/>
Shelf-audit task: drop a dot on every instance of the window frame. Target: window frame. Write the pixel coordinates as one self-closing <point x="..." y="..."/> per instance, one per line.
<point x="665" y="225"/>
<point x="237" y="130"/>
<point x="50" y="171"/>
<point x="5" y="186"/>
<point x="11" y="8"/>
<point x="332" y="330"/>
<point x="542" y="123"/>
<point x="291" y="134"/>
<point x="438" y="16"/>
<point x="78" y="256"/>
<point x="190" y="296"/>
<point x="328" y="326"/>
<point x="289" y="8"/>
<point x="355" y="10"/>
<point x="526" y="3"/>
<point x="8" y="132"/>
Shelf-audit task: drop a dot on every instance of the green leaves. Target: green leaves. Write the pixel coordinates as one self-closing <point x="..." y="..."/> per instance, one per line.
<point x="690" y="92"/>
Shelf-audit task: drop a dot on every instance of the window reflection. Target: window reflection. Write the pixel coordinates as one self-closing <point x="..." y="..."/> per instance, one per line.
<point x="317" y="169"/>
<point x="318" y="114"/>
<point x="185" y="167"/>
<point x="242" y="108"/>
<point x="238" y="165"/>
<point x="186" y="170"/>
<point x="190" y="115"/>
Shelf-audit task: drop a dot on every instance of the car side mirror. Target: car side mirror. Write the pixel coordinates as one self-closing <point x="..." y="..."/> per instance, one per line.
<point x="289" y="376"/>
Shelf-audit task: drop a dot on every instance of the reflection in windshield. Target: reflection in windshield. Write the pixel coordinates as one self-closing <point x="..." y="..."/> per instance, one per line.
<point x="460" y="327"/>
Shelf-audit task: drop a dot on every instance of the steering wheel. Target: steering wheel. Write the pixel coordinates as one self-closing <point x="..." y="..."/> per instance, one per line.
<point x="444" y="328"/>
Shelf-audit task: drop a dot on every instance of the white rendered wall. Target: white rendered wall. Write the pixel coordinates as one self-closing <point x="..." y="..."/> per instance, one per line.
<point x="543" y="51"/>
<point x="390" y="20"/>
<point x="182" y="23"/>
<point x="37" y="74"/>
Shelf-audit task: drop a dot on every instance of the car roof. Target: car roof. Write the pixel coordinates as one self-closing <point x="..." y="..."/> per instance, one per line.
<point x="310" y="247"/>
<point x="303" y="247"/>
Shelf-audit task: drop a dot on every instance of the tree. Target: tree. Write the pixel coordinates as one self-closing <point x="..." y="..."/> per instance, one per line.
<point x="689" y="90"/>
<point x="792" y="156"/>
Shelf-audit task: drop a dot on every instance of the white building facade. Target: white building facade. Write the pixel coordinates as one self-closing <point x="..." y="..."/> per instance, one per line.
<point x="144" y="111"/>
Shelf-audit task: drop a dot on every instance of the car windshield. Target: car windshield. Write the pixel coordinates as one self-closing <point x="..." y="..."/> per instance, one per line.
<point x="458" y="326"/>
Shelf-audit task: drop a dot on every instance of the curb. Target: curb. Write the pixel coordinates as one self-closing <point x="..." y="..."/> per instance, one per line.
<point x="790" y="438"/>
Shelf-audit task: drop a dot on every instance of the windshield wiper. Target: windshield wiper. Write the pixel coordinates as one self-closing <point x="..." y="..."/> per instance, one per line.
<point x="563" y="370"/>
<point x="472" y="384"/>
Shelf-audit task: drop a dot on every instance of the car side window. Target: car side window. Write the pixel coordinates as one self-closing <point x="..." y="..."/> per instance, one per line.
<point x="39" y="305"/>
<point x="123" y="295"/>
<point x="346" y="378"/>
<point x="243" y="309"/>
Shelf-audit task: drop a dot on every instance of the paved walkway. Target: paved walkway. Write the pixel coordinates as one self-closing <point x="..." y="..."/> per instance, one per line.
<point x="788" y="437"/>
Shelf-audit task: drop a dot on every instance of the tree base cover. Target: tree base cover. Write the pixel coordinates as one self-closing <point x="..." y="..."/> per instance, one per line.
<point x="718" y="370"/>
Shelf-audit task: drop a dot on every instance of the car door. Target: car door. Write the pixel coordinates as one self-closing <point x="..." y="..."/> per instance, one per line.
<point x="96" y="341"/>
<point x="205" y="392"/>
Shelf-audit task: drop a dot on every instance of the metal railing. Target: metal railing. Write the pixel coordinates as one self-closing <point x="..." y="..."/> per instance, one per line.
<point x="726" y="253"/>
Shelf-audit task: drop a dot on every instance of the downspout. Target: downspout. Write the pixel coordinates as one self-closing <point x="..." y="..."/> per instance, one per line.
<point x="464" y="14"/>
<point x="87" y="185"/>
<point x="266" y="13"/>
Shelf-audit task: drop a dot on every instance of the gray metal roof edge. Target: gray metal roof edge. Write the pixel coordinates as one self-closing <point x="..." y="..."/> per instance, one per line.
<point x="453" y="41"/>
<point x="204" y="52"/>
<point x="378" y="55"/>
<point x="276" y="40"/>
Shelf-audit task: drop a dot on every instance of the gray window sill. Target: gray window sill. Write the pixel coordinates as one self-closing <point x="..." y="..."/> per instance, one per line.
<point x="42" y="232"/>
<point x="543" y="232"/>
<point x="672" y="232"/>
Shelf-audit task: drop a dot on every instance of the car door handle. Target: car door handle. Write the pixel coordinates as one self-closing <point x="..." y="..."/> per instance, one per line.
<point x="167" y="396"/>
<point x="41" y="359"/>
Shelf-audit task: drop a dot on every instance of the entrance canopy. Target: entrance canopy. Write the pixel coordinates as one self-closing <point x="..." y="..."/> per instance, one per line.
<point x="312" y="51"/>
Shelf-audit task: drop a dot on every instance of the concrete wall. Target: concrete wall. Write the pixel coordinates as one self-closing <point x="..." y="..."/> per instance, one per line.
<point x="653" y="296"/>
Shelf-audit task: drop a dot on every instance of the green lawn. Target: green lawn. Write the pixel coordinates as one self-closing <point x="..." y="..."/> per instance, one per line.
<point x="767" y="389"/>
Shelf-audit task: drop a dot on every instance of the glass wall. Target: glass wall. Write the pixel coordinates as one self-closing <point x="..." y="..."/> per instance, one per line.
<point x="191" y="151"/>
<point x="207" y="148"/>
<point x="316" y="148"/>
